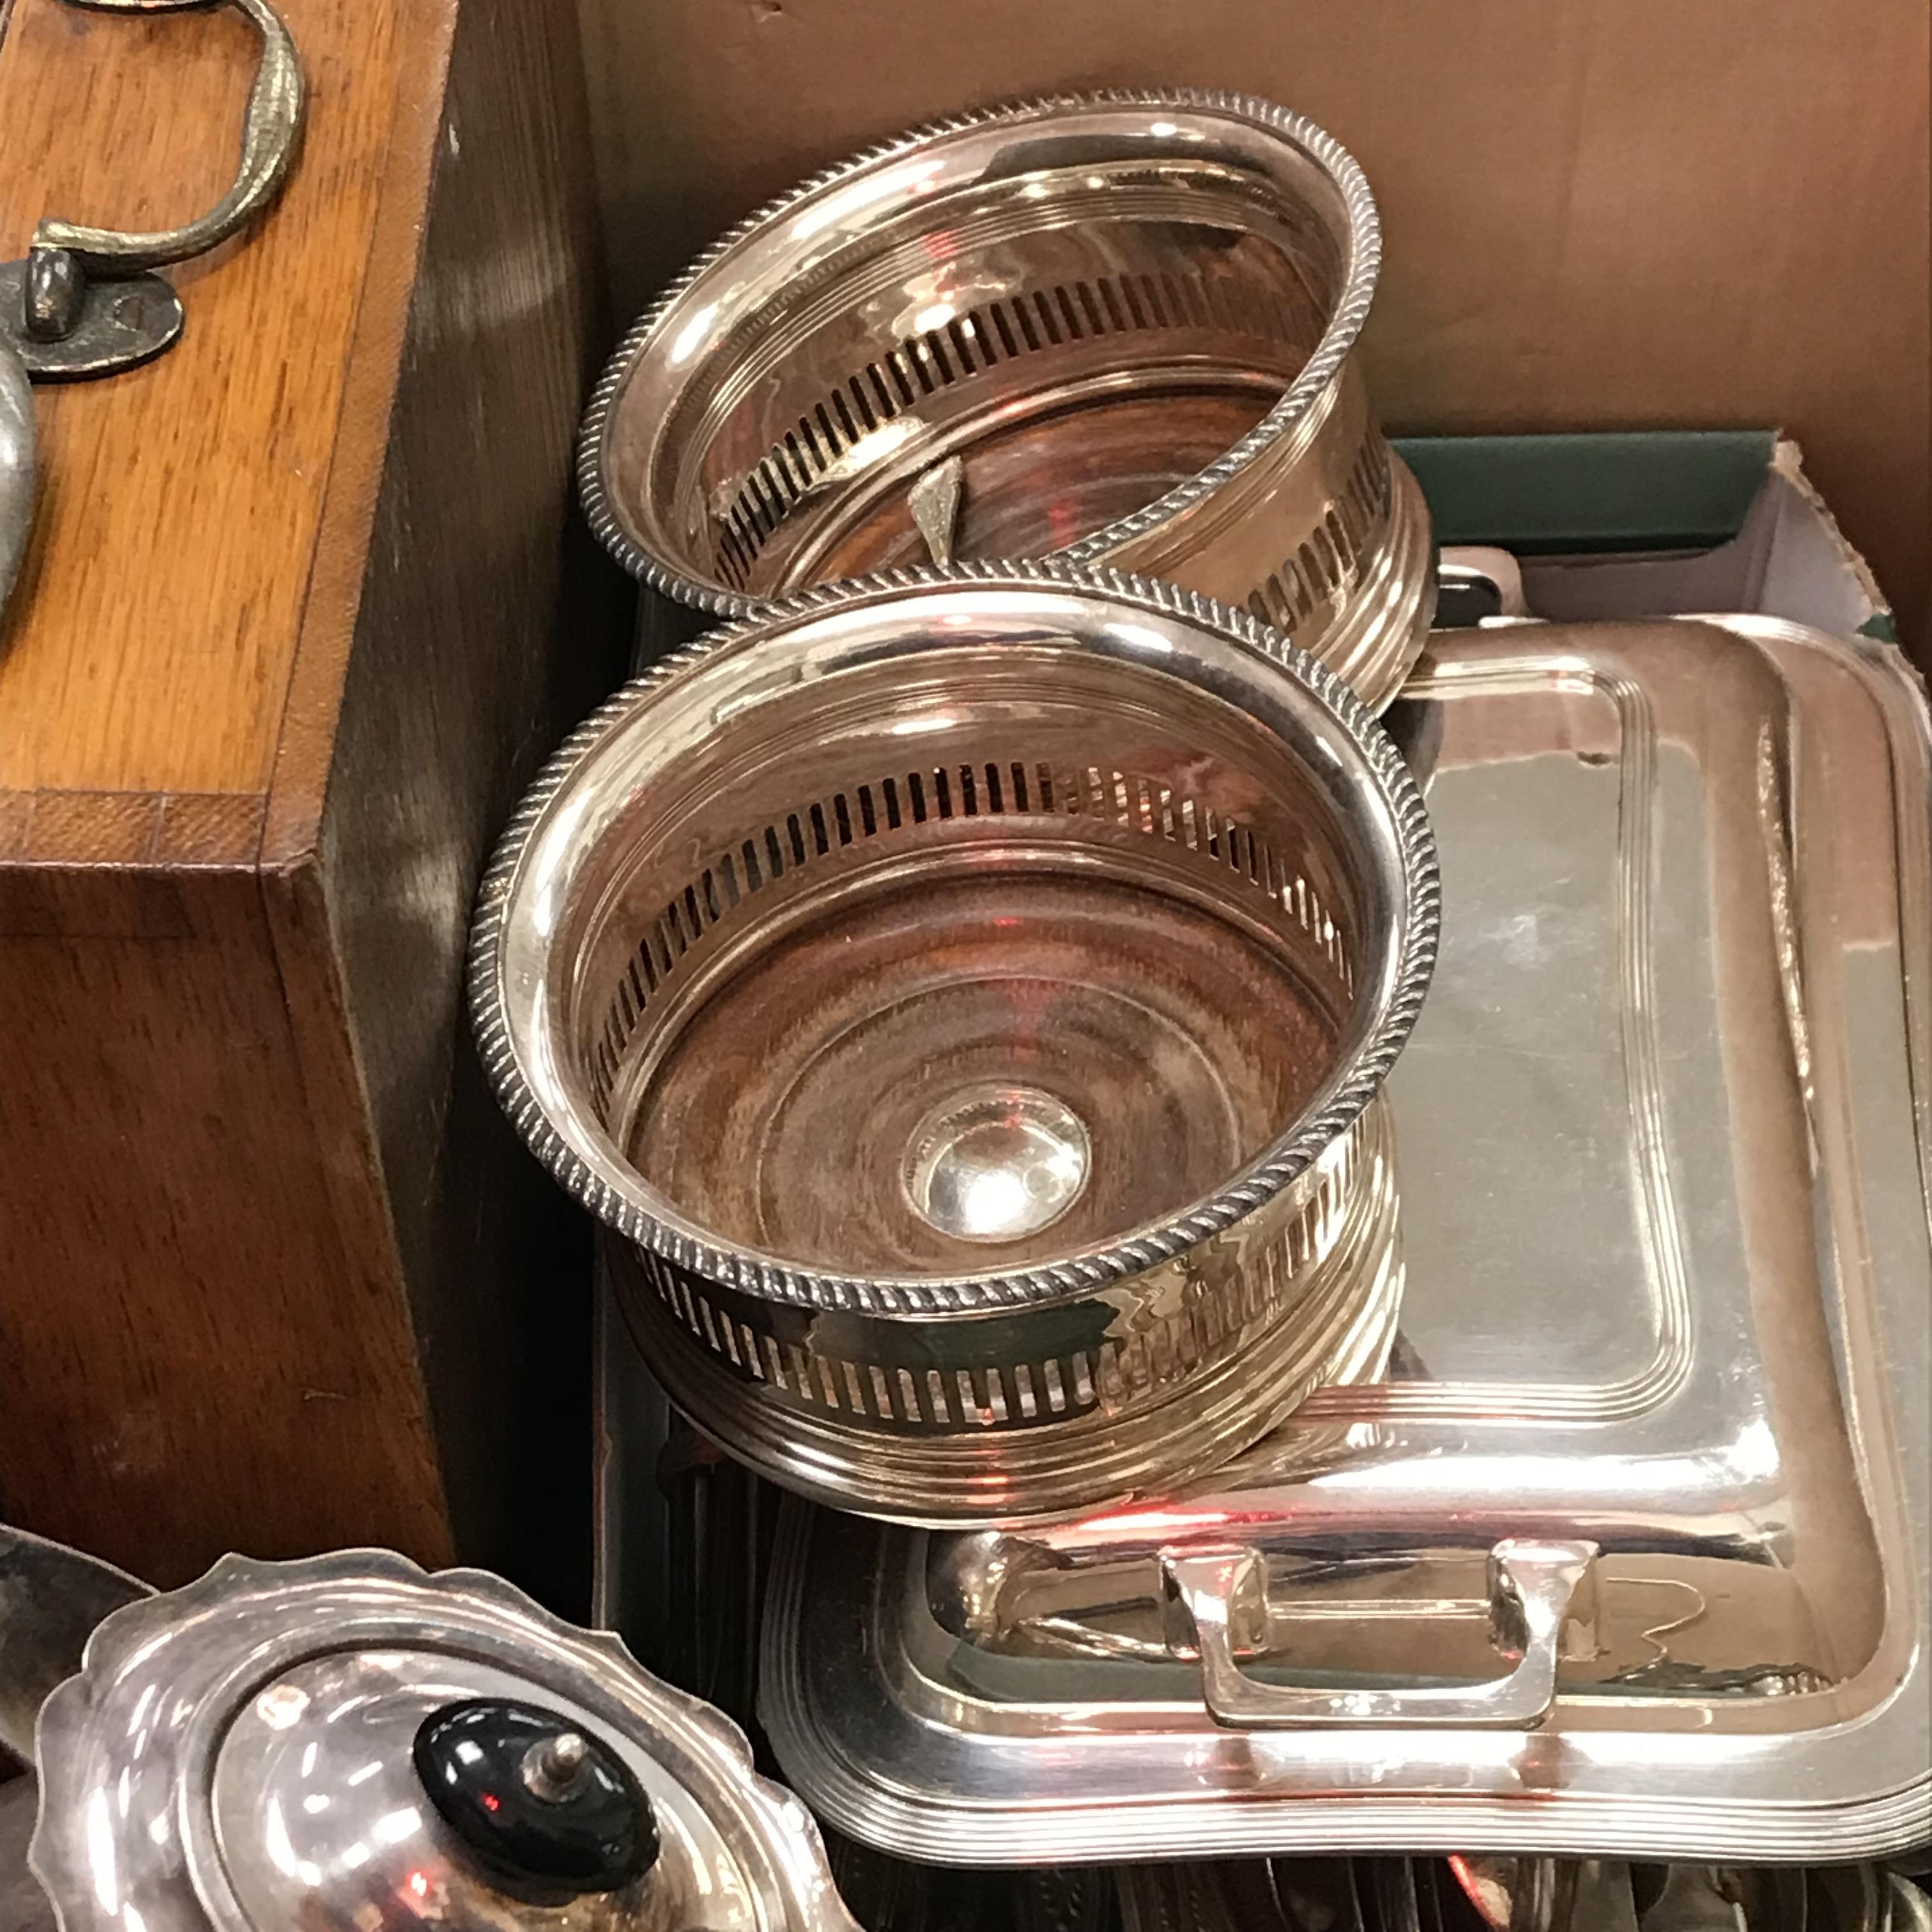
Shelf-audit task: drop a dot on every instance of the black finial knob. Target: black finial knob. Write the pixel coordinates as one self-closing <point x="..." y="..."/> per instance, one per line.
<point x="546" y="1810"/>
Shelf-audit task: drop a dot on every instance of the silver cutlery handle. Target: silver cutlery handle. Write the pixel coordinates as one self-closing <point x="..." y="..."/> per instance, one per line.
<point x="1530" y="1586"/>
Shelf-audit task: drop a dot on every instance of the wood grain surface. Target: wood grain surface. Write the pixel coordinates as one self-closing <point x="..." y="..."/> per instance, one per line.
<point x="148" y="648"/>
<point x="273" y="1274"/>
<point x="454" y="630"/>
<point x="198" y="1355"/>
<point x="192" y="1363"/>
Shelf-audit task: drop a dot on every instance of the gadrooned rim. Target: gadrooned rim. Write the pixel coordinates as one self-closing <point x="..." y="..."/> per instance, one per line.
<point x="752" y="1274"/>
<point x="1331" y="353"/>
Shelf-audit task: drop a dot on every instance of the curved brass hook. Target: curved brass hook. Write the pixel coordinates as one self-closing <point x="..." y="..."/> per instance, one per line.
<point x="270" y="136"/>
<point x="63" y="325"/>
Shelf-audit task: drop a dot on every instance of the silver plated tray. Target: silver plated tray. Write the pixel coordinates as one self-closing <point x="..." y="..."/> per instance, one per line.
<point x="1626" y="1555"/>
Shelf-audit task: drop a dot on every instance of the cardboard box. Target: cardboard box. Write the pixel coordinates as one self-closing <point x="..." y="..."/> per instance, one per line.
<point x="1653" y="526"/>
<point x="1647" y="215"/>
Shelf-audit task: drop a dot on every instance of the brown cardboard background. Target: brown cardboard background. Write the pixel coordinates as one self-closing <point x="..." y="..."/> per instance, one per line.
<point x="1599" y="213"/>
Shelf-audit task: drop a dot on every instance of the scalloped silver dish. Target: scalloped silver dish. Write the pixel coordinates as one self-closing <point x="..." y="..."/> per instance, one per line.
<point x="968" y="994"/>
<point x="1628" y="1552"/>
<point x="1117" y="329"/>
<point x="237" y="1755"/>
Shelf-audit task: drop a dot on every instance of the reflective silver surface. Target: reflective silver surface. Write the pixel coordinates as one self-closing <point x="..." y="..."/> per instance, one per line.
<point x="17" y="465"/>
<point x="51" y="1598"/>
<point x="997" y="1162"/>
<point x="965" y="991"/>
<point x="1911" y="1907"/>
<point x="24" y="1907"/>
<point x="1532" y="1594"/>
<point x="1117" y="329"/>
<point x="237" y="1754"/>
<point x="1661" y="1141"/>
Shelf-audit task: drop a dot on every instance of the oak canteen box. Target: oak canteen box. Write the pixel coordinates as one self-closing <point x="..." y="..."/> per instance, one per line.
<point x="298" y="615"/>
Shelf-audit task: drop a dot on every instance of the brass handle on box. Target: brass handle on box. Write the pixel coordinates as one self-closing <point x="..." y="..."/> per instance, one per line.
<point x="1530" y="1586"/>
<point x="85" y="302"/>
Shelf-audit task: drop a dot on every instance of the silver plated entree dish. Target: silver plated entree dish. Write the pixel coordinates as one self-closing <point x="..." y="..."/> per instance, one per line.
<point x="1625" y="1554"/>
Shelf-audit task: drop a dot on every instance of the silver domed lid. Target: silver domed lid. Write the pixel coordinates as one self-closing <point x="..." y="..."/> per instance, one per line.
<point x="350" y="1742"/>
